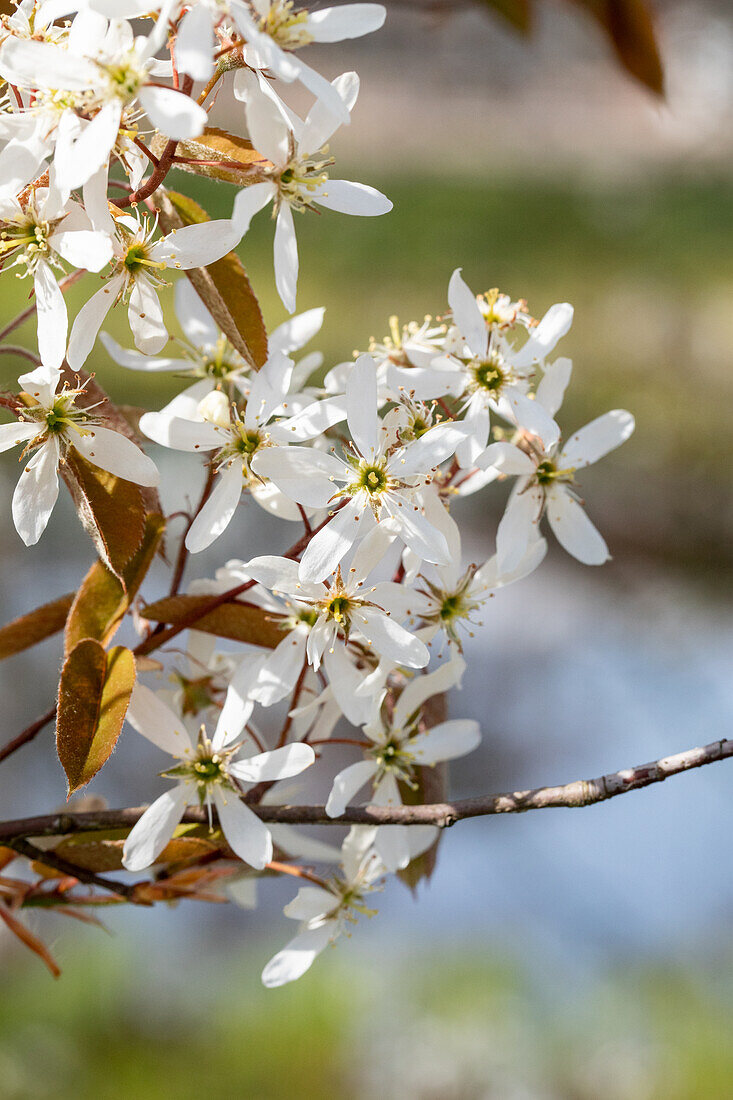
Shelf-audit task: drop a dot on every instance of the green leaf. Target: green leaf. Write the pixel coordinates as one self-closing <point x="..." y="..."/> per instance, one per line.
<point x="30" y="629"/>
<point x="223" y="286"/>
<point x="242" y="622"/>
<point x="94" y="693"/>
<point x="103" y="598"/>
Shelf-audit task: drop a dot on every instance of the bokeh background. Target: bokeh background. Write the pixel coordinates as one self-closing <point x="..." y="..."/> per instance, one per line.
<point x="568" y="954"/>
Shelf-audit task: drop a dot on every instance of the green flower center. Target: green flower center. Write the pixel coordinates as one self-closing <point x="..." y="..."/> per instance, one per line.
<point x="338" y="607"/>
<point x="208" y="769"/>
<point x="374" y="479"/>
<point x="489" y="375"/>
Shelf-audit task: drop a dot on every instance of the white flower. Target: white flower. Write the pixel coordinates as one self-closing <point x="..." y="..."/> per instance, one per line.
<point x="38" y="235"/>
<point x="140" y="263"/>
<point x="448" y="599"/>
<point x="397" y="747"/>
<point x="348" y="613"/>
<point x="375" y="482"/>
<point x="50" y="426"/>
<point x="210" y="772"/>
<point x="298" y="177"/>
<point x="274" y="30"/>
<point x="546" y="485"/>
<point x="237" y="438"/>
<point x="326" y="911"/>
<point x="486" y="371"/>
<point x="100" y="70"/>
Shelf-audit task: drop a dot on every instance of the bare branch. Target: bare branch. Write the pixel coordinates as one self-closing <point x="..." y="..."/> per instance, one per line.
<point x="48" y="859"/>
<point x="582" y="792"/>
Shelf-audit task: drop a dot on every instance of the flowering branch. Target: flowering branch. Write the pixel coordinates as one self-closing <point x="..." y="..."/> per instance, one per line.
<point x="580" y="792"/>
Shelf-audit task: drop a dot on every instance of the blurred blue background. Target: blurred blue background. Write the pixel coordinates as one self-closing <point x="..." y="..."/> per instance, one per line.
<point x="563" y="954"/>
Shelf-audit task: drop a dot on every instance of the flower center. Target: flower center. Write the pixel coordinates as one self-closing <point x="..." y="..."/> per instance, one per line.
<point x="126" y="78"/>
<point x="286" y="26"/>
<point x="547" y="472"/>
<point x="301" y="177"/>
<point x="489" y="374"/>
<point x="137" y="258"/>
<point x="392" y="757"/>
<point x="373" y="479"/>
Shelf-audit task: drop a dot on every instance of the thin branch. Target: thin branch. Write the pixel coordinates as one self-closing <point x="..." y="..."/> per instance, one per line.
<point x="27" y="734"/>
<point x="582" y="792"/>
<point x="48" y="859"/>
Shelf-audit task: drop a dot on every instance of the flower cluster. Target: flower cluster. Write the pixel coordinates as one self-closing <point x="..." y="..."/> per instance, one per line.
<point x="360" y="622"/>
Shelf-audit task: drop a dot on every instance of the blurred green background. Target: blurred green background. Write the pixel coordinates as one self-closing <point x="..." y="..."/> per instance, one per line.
<point x="576" y="957"/>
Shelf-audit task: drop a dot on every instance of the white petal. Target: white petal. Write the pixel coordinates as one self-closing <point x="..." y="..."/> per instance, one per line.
<point x="419" y="534"/>
<point x="361" y="405"/>
<point x="427" y="452"/>
<point x="245" y="833"/>
<point x="78" y="158"/>
<point x="347" y="784"/>
<point x="286" y="257"/>
<point x="596" y="439"/>
<point x="41" y="383"/>
<point x="468" y="317"/>
<point x="392" y="844"/>
<point x="390" y="639"/>
<point x="52" y="317"/>
<point x="520" y="409"/>
<point x="197" y="245"/>
<point x="506" y="458"/>
<point x="135" y="360"/>
<point x="174" y="114"/>
<point x="217" y="513"/>
<point x="11" y="434"/>
<point x="279" y="672"/>
<point x="248" y="202"/>
<point x="36" y="493"/>
<point x="195" y="43"/>
<point x="294" y="960"/>
<point x="314" y="419"/>
<point x="117" y="454"/>
<point x="298" y="331"/>
<point x="95" y="201"/>
<point x="573" y="530"/>
<point x="180" y="434"/>
<point x="326" y="549"/>
<point x="89" y="320"/>
<point x="83" y="247"/>
<point x="154" y="829"/>
<point x="44" y="65"/>
<point x="302" y="473"/>
<point x="310" y="902"/>
<point x="145" y="315"/>
<point x="321" y="122"/>
<point x="278" y="764"/>
<point x="154" y="719"/>
<point x="421" y="688"/>
<point x="446" y="741"/>
<point x="336" y="24"/>
<point x="197" y="323"/>
<point x="345" y="679"/>
<point x="551" y="389"/>
<point x="552" y="327"/>
<point x="267" y="128"/>
<point x="347" y="197"/>
<point x="518" y="527"/>
<point x="237" y="707"/>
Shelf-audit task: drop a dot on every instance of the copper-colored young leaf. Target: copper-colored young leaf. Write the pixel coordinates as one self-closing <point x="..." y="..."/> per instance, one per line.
<point x="32" y="942"/>
<point x="102" y="599"/>
<point x="94" y="693"/>
<point x="517" y="12"/>
<point x="222" y="286"/>
<point x="111" y="510"/>
<point x="237" y="161"/>
<point x="242" y="622"/>
<point x="35" y="626"/>
<point x="630" y="28"/>
<point x="102" y="852"/>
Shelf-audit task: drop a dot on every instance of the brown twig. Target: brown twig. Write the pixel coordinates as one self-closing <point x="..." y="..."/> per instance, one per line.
<point x="48" y="859"/>
<point x="27" y="734"/>
<point x="582" y="792"/>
